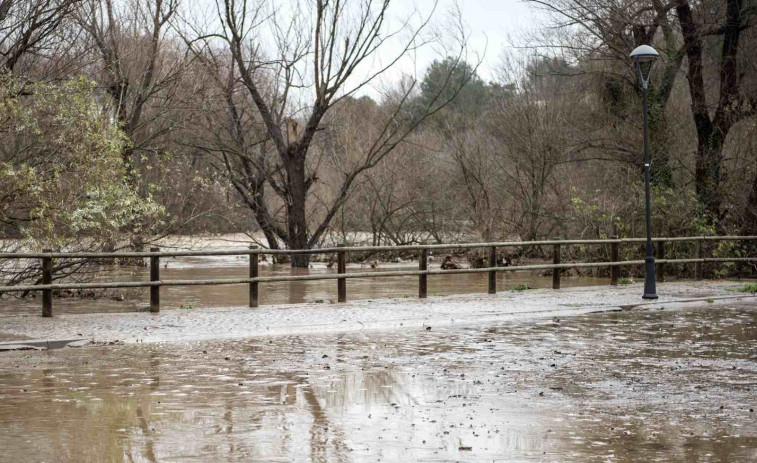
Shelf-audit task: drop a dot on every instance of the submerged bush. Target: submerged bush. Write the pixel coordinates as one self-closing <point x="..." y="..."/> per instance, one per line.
<point x="63" y="181"/>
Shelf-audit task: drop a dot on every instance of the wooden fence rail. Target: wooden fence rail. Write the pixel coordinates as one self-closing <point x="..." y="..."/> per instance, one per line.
<point x="415" y="247"/>
<point x="47" y="287"/>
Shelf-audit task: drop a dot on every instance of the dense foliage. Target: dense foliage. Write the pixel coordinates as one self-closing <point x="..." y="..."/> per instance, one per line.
<point x="62" y="177"/>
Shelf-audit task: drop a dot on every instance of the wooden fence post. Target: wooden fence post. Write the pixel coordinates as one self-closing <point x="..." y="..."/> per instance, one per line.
<point x="698" y="267"/>
<point x="154" y="276"/>
<point x="556" y="271"/>
<point x="493" y="273"/>
<point x="341" y="283"/>
<point x="615" y="269"/>
<point x="253" y="274"/>
<point x="661" y="266"/>
<point x="47" y="278"/>
<point x="422" y="279"/>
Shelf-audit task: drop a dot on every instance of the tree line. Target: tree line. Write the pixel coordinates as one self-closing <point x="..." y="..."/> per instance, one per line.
<point x="124" y="121"/>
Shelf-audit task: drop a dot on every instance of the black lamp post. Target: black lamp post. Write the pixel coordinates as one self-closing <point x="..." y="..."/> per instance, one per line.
<point x="644" y="56"/>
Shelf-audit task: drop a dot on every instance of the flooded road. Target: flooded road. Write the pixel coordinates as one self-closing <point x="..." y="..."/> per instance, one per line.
<point x="614" y="387"/>
<point x="294" y="292"/>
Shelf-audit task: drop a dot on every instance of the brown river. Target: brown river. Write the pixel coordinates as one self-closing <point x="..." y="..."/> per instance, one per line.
<point x="613" y="387"/>
<point x="293" y="292"/>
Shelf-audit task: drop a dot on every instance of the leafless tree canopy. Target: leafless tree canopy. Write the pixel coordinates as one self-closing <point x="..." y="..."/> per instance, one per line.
<point x="320" y="58"/>
<point x="299" y="122"/>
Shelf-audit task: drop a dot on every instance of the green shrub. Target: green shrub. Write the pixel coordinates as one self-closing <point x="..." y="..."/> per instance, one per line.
<point x="62" y="174"/>
<point x="750" y="288"/>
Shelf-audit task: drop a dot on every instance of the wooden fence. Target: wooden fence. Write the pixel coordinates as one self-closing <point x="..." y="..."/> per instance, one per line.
<point x="254" y="280"/>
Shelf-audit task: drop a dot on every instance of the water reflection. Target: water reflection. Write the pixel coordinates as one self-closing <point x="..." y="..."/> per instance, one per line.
<point x="614" y="387"/>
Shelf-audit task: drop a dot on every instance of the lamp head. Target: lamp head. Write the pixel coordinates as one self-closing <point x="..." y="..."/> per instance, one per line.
<point x="644" y="56"/>
<point x="644" y="53"/>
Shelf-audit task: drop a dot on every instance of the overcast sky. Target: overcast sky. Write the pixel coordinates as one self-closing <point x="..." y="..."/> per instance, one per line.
<point x="496" y="22"/>
<point x="493" y="26"/>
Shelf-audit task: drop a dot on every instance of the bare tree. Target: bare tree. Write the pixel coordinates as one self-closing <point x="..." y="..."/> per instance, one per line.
<point x="409" y="200"/>
<point x="227" y="127"/>
<point x="30" y="28"/>
<point x="140" y="68"/>
<point x="319" y="56"/>
<point x="136" y="66"/>
<point x="600" y="34"/>
<point x="680" y="29"/>
<point x="474" y="172"/>
<point x="732" y="106"/>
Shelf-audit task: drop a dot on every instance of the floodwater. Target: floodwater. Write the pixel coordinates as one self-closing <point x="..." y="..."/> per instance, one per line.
<point x="205" y="268"/>
<point x="613" y="387"/>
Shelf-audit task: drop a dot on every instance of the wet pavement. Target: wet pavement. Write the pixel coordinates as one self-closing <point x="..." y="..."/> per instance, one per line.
<point x="655" y="385"/>
<point x="219" y="323"/>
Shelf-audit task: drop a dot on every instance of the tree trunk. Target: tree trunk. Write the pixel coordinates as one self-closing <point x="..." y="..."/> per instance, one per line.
<point x="261" y="218"/>
<point x="661" y="172"/>
<point x="707" y="173"/>
<point x="749" y="219"/>
<point x="297" y="219"/>
<point x="712" y="131"/>
<point x="533" y="214"/>
<point x="749" y="226"/>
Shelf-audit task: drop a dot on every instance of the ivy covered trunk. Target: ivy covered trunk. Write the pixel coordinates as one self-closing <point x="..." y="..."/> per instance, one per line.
<point x="750" y="212"/>
<point x="712" y="128"/>
<point x="661" y="171"/>
<point x="707" y="174"/>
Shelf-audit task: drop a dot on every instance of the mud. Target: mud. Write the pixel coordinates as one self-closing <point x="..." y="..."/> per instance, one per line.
<point x="215" y="323"/>
<point x="654" y="385"/>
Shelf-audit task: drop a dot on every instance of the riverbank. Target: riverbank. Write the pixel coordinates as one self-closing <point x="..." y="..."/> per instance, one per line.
<point x="364" y="315"/>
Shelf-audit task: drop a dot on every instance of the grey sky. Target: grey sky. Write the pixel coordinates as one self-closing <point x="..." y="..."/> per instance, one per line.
<point x="497" y="21"/>
<point x="493" y="25"/>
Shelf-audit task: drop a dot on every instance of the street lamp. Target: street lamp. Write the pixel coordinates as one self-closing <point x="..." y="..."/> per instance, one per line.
<point x="644" y="56"/>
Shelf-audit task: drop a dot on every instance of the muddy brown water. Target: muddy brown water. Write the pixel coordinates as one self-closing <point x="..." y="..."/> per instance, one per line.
<point x="274" y="293"/>
<point x="614" y="387"/>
